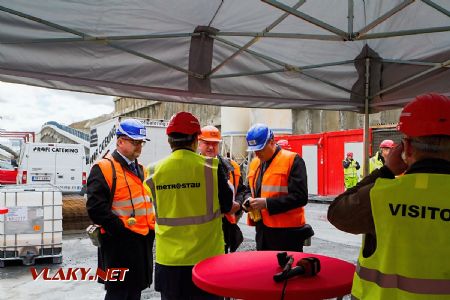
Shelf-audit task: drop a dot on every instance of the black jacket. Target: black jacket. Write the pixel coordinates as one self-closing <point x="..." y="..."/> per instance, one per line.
<point x="289" y="239"/>
<point x="121" y="248"/>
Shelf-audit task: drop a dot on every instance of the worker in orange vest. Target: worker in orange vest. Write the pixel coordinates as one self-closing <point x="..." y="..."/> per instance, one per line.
<point x="117" y="200"/>
<point x="277" y="187"/>
<point x="208" y="145"/>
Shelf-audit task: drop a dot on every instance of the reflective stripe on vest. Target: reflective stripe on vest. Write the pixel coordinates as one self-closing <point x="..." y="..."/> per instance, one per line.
<point x="122" y="206"/>
<point x="412" y="219"/>
<point x="210" y="213"/>
<point x="235" y="177"/>
<point x="412" y="285"/>
<point x="184" y="190"/>
<point x="275" y="184"/>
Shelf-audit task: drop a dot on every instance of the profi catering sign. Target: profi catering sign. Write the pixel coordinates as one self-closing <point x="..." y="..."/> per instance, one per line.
<point x="103" y="136"/>
<point x="54" y="149"/>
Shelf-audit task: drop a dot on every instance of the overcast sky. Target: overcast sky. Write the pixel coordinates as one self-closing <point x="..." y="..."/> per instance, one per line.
<point x="27" y="108"/>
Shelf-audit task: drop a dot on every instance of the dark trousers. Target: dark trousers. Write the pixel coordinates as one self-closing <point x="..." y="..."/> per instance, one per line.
<point x="278" y="239"/>
<point x="199" y="297"/>
<point x="123" y="294"/>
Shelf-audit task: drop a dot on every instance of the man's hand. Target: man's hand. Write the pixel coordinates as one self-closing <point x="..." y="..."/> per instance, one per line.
<point x="235" y="208"/>
<point x="394" y="160"/>
<point x="256" y="203"/>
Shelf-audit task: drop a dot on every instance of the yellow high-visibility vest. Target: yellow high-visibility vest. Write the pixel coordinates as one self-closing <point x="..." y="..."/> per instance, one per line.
<point x="351" y="171"/>
<point x="375" y="162"/>
<point x="184" y="189"/>
<point x="412" y="223"/>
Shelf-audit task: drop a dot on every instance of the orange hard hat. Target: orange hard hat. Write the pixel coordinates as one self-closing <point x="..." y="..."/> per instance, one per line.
<point x="350" y="154"/>
<point x="284" y="144"/>
<point x="183" y="122"/>
<point x="427" y="114"/>
<point x="387" y="144"/>
<point x="210" y="134"/>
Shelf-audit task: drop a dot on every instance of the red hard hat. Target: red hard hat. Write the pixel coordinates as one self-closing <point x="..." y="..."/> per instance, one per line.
<point x="350" y="154"/>
<point x="427" y="114"/>
<point x="387" y="144"/>
<point x="284" y="144"/>
<point x="183" y="122"/>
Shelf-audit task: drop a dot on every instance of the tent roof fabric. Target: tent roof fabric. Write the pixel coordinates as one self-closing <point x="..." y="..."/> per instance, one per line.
<point x="321" y="54"/>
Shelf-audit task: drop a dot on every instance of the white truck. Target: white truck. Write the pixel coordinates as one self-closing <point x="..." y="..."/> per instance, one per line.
<point x="63" y="165"/>
<point x="103" y="140"/>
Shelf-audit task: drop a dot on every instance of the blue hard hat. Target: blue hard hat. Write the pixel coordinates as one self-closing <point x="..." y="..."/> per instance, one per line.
<point x="132" y="128"/>
<point x="258" y="136"/>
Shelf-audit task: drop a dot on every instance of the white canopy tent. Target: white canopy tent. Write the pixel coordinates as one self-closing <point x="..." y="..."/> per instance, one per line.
<point x="355" y="55"/>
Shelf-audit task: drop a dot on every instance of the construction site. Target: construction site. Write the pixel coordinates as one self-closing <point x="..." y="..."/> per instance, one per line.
<point x="330" y="80"/>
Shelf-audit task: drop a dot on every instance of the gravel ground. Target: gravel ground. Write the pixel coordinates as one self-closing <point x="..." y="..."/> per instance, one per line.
<point x="16" y="281"/>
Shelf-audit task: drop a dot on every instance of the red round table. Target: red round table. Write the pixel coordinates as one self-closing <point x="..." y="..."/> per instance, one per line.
<point x="249" y="275"/>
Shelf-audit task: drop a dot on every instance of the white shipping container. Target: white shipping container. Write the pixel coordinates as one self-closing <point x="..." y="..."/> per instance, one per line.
<point x="32" y="227"/>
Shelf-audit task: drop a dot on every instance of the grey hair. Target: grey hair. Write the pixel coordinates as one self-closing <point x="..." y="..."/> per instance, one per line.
<point x="432" y="144"/>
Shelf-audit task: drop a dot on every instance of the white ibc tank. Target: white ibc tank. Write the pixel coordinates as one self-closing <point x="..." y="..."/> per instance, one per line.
<point x="235" y="121"/>
<point x="279" y="120"/>
<point x="32" y="227"/>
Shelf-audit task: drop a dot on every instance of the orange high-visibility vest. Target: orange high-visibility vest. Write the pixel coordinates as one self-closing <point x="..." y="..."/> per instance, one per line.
<point x="235" y="176"/>
<point x="275" y="184"/>
<point x="129" y="192"/>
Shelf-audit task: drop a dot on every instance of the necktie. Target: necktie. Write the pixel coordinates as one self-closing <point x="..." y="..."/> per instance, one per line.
<point x="133" y="168"/>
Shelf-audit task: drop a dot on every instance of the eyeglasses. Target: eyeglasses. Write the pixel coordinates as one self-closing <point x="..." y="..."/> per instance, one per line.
<point x="134" y="142"/>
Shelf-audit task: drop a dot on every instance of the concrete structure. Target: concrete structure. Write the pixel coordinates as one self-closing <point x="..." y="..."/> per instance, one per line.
<point x="232" y="121"/>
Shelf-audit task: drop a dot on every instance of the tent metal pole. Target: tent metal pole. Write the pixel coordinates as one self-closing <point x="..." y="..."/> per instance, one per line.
<point x="350" y="17"/>
<point x="281" y="35"/>
<point x="402" y="33"/>
<point x="307" y="18"/>
<point x="268" y="58"/>
<point x="282" y="70"/>
<point x="384" y="17"/>
<point x="437" y="7"/>
<point x="286" y="66"/>
<point x="327" y="82"/>
<point x="101" y="39"/>
<point x="106" y="43"/>
<point x="253" y="40"/>
<point x="248" y="73"/>
<point x="411" y="62"/>
<point x="366" y="138"/>
<point x="418" y="75"/>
